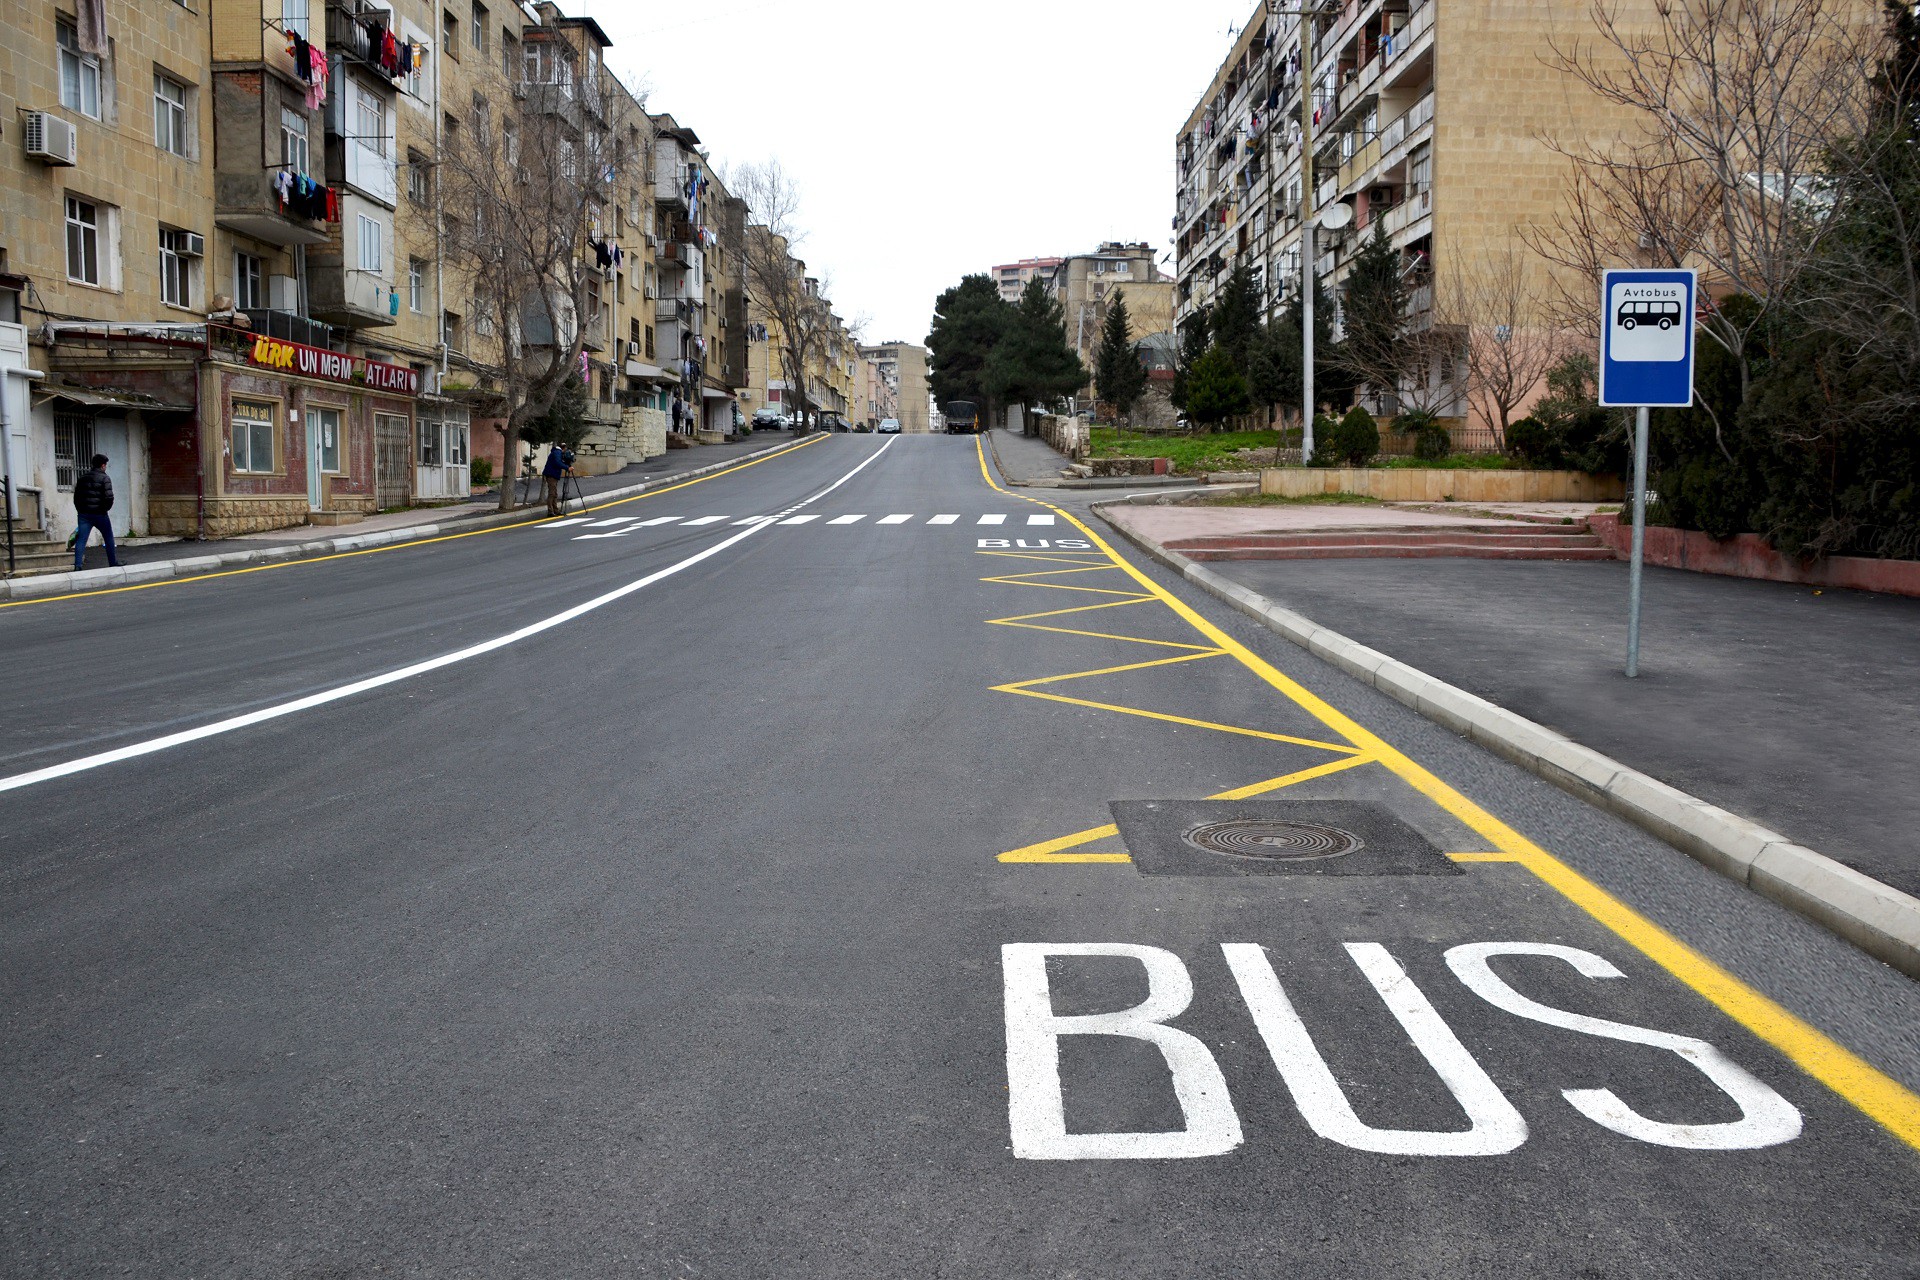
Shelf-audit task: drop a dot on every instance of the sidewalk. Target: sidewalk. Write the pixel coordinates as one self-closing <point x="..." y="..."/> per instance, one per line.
<point x="157" y="560"/>
<point x="1025" y="459"/>
<point x="669" y="464"/>
<point x="1789" y="706"/>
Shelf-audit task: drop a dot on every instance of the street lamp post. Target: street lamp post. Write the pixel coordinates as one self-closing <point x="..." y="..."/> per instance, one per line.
<point x="1305" y="13"/>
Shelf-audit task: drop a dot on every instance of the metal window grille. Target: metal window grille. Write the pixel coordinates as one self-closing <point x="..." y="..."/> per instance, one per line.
<point x="72" y="440"/>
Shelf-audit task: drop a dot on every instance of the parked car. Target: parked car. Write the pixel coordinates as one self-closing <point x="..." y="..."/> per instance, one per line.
<point x="889" y="426"/>
<point x="962" y="417"/>
<point x="770" y="419"/>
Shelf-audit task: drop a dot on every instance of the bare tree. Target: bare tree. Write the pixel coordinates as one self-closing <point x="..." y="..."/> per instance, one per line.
<point x="1738" y="103"/>
<point x="777" y="282"/>
<point x="1499" y="311"/>
<point x="527" y="188"/>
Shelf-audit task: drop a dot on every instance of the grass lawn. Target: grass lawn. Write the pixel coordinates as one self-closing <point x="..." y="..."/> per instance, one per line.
<point x="1453" y="462"/>
<point x="1190" y="454"/>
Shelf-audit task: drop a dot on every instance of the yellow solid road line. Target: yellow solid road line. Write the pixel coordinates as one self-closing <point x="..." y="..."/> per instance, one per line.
<point x="398" y="546"/>
<point x="1875" y="1093"/>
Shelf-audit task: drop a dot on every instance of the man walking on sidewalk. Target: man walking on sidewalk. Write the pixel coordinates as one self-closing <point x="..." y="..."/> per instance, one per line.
<point x="93" y="504"/>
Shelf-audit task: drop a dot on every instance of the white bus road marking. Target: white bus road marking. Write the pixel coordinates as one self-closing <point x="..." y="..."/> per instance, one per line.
<point x="1036" y="1107"/>
<point x="847" y="519"/>
<point x="154" y="745"/>
<point x="1038" y="544"/>
<point x="943" y="519"/>
<point x="999" y="519"/>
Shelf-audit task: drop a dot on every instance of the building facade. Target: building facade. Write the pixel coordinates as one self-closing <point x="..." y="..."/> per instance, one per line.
<point x="1086" y="285"/>
<point x="1011" y="277"/>
<point x="901" y="368"/>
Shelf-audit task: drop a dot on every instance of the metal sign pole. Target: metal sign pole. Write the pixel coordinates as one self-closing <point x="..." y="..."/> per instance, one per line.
<point x="1639" y="539"/>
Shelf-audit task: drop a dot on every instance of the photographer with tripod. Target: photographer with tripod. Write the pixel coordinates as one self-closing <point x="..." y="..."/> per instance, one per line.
<point x="558" y="470"/>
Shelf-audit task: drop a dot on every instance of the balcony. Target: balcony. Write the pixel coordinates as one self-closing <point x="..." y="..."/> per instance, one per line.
<point x="290" y="326"/>
<point x="1405" y="126"/>
<point x="1416" y="205"/>
<point x="670" y="185"/>
<point x="350" y="34"/>
<point x="351" y="298"/>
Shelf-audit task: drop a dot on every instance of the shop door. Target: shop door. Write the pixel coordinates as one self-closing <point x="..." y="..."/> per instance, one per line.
<point x="314" y="493"/>
<point x="110" y="438"/>
<point x="392" y="461"/>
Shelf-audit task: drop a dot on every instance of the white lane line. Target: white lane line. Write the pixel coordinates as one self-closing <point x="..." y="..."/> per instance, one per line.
<point x="993" y="519"/>
<point x="561" y="524"/>
<point x="799" y="519"/>
<point x="617" y="533"/>
<point x="895" y="519"/>
<point x="658" y="520"/>
<point x="847" y="519"/>
<point x="943" y="520"/>
<point x="608" y="524"/>
<point x="1039" y="519"/>
<point x="325" y="696"/>
<point x="751" y="520"/>
<point x="703" y="520"/>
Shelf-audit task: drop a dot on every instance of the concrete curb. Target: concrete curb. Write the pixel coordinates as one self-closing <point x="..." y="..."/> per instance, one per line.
<point x="1877" y="918"/>
<point x="60" y="584"/>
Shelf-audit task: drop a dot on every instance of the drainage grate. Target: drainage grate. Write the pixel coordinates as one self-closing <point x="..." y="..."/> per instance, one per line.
<point x="1274" y="837"/>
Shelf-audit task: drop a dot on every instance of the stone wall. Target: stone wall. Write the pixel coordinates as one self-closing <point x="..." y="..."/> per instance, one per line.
<point x="1068" y="436"/>
<point x="642" y="433"/>
<point x="1419" y="484"/>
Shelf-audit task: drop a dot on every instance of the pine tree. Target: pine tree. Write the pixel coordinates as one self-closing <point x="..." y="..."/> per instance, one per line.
<point x="1032" y="362"/>
<point x="1193" y="338"/>
<point x="1118" y="374"/>
<point x="1236" y="318"/>
<point x="565" y="420"/>
<point x="969" y="321"/>
<point x="1376" y="307"/>
<point x="1215" y="389"/>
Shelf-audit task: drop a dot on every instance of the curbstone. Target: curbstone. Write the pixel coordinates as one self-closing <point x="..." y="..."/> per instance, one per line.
<point x="1879" y="919"/>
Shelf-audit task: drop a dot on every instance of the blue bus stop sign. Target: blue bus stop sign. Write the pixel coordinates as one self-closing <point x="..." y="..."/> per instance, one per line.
<point x="1646" y="338"/>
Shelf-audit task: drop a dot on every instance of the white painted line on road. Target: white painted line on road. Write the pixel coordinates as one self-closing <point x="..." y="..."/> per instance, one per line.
<point x="751" y="520"/>
<point x="895" y="519"/>
<point x="608" y="524"/>
<point x="993" y="519"/>
<point x="561" y="524"/>
<point x="703" y="520"/>
<point x="799" y="519"/>
<point x="1039" y="519"/>
<point x="943" y="520"/>
<point x="657" y="520"/>
<point x="617" y="533"/>
<point x="325" y="696"/>
<point x="847" y="519"/>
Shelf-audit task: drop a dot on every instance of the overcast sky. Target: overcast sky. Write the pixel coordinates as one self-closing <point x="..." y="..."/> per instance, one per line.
<point x="933" y="140"/>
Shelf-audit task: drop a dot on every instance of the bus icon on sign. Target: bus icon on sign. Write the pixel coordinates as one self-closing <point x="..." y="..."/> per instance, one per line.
<point x="1664" y="312"/>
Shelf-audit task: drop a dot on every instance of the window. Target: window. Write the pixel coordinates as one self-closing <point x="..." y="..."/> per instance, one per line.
<point x="293" y="18"/>
<point x="649" y="346"/>
<point x="416" y="285"/>
<point x="450" y="34"/>
<point x="253" y="435"/>
<point x="83" y="241"/>
<point x="427" y="434"/>
<point x="370" y="120"/>
<point x="371" y="258"/>
<point x="72" y="440"/>
<point x="510" y="141"/>
<point x="176" y="269"/>
<point x="294" y="151"/>
<point x="325" y="423"/>
<point x="457" y="455"/>
<point x="169" y="114"/>
<point x="509" y="55"/>
<point x="450" y="330"/>
<point x="247" y="274"/>
<point x="479" y="25"/>
<point x="416" y="77"/>
<point x="482" y="117"/>
<point x="79" y="73"/>
<point x="419" y="178"/>
<point x="1420" y="169"/>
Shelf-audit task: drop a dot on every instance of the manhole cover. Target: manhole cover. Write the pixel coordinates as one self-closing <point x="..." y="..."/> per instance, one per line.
<point x="1296" y="836"/>
<point x="1276" y="841"/>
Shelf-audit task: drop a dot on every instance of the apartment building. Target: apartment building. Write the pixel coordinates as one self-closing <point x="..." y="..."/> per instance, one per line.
<point x="1011" y="277"/>
<point x="902" y="372"/>
<point x="1086" y="284"/>
<point x="1426" y="118"/>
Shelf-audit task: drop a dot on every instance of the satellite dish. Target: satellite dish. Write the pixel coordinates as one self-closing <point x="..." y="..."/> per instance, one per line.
<point x="1337" y="217"/>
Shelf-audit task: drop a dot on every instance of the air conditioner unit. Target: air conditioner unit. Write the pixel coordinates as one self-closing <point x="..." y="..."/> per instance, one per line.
<point x="520" y="89"/>
<point x="283" y="293"/>
<point x="633" y="351"/>
<point x="646" y="291"/>
<point x="193" y="245"/>
<point x="653" y="241"/>
<point x="51" y="140"/>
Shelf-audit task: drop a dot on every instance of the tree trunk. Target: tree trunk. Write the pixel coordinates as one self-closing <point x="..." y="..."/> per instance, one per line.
<point x="509" y="466"/>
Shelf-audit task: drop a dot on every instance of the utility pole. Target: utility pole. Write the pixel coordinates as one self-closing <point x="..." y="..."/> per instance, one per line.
<point x="1306" y="14"/>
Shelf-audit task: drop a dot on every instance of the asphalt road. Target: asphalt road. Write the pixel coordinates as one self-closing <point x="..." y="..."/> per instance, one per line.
<point x="737" y="899"/>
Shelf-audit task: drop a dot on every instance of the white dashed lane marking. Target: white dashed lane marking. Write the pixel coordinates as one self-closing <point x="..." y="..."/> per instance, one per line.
<point x="705" y="520"/>
<point x="608" y="524"/>
<point x="562" y="524"/>
<point x="993" y="519"/>
<point x="799" y="519"/>
<point x="895" y="519"/>
<point x="622" y="526"/>
<point x="1039" y="519"/>
<point x="943" y="520"/>
<point x="847" y="519"/>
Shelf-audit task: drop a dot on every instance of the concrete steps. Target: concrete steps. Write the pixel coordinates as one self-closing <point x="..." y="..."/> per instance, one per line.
<point x="34" y="552"/>
<point x="1524" y="541"/>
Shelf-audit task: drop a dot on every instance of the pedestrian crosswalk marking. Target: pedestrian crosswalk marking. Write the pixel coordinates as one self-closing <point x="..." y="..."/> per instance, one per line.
<point x="1001" y="519"/>
<point x="895" y="519"/>
<point x="799" y="519"/>
<point x="608" y="524"/>
<point x="705" y="520"/>
<point x="561" y="524"/>
<point x="1040" y="519"/>
<point x="648" y="524"/>
<point x="943" y="520"/>
<point x="621" y="526"/>
<point x="848" y="519"/>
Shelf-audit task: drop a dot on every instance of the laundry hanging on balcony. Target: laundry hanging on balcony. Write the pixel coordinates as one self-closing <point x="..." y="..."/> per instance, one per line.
<point x="310" y="64"/>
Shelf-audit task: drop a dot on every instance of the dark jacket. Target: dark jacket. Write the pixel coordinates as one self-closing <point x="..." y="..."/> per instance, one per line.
<point x="93" y="494"/>
<point x="558" y="460"/>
